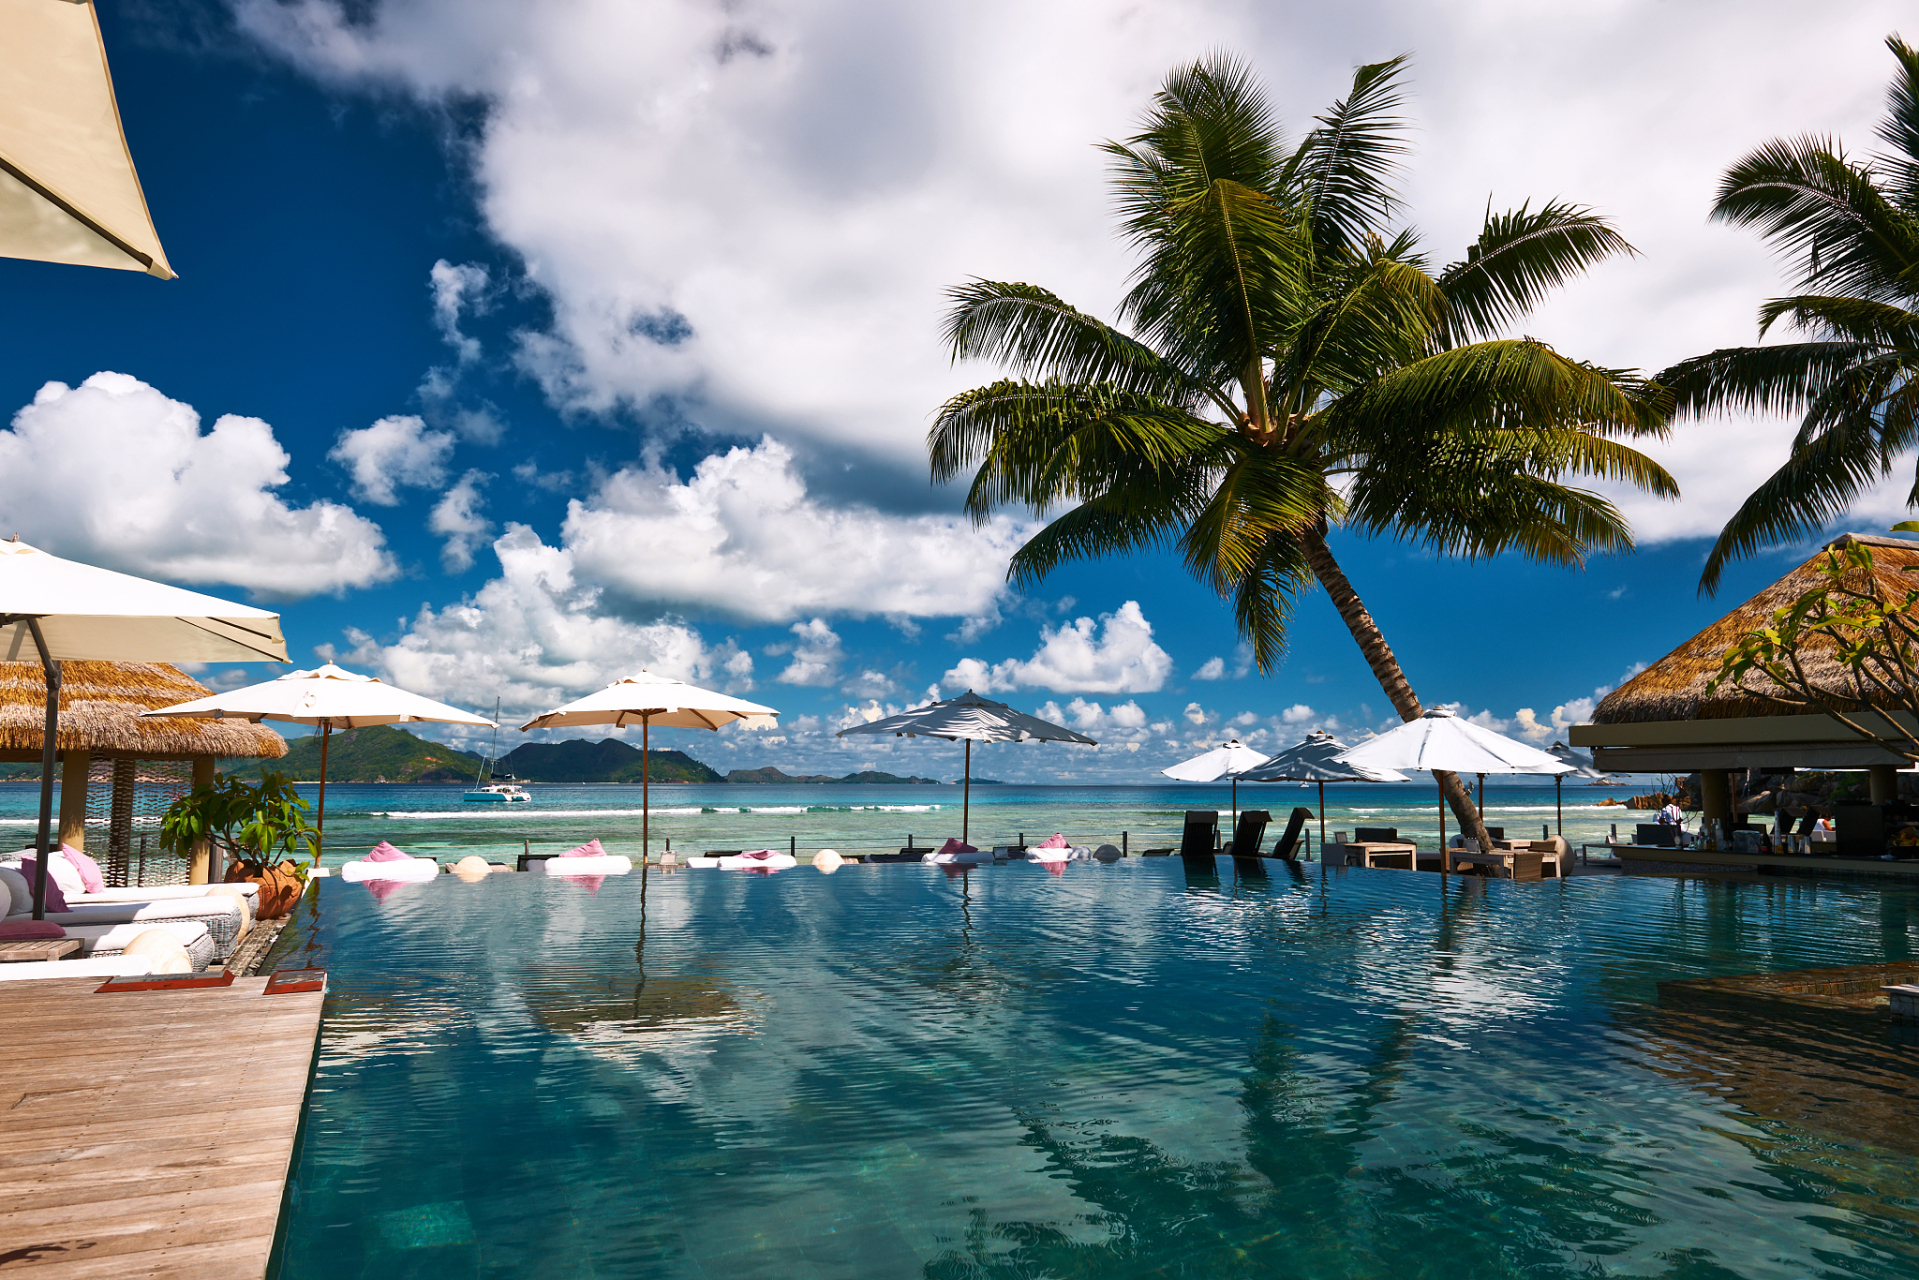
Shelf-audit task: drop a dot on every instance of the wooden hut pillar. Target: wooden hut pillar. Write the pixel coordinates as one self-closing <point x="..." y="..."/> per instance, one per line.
<point x="202" y="850"/>
<point x="73" y="798"/>
<point x="126" y="774"/>
<point x="1882" y="782"/>
<point x="1715" y="796"/>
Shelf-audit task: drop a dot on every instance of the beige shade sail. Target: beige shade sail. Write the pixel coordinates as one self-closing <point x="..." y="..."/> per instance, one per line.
<point x="68" y="190"/>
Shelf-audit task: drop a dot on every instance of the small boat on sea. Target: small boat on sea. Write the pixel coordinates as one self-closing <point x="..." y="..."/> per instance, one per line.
<point x="496" y="788"/>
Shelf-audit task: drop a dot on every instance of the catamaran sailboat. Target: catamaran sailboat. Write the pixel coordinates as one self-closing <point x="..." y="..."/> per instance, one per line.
<point x="496" y="788"/>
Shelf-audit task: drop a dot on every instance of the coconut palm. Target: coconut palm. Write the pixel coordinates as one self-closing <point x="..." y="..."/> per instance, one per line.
<point x="1289" y="363"/>
<point x="1850" y="230"/>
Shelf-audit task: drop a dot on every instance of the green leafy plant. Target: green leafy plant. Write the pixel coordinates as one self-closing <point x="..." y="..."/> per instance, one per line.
<point x="1847" y="647"/>
<point x="260" y="823"/>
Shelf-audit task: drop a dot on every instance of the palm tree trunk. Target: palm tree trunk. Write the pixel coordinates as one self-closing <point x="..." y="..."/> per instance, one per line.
<point x="1386" y="669"/>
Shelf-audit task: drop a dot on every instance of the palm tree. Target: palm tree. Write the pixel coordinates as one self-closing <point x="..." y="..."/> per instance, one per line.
<point x="1290" y="364"/>
<point x="1850" y="230"/>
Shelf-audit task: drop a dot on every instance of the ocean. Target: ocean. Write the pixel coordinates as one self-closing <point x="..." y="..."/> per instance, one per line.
<point x="434" y="821"/>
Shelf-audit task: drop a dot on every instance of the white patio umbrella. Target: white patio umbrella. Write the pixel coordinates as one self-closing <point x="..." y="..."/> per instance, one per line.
<point x="1315" y="758"/>
<point x="1228" y="760"/>
<point x="62" y="610"/>
<point x="328" y="697"/>
<point x="646" y="700"/>
<point x="1440" y="740"/>
<point x="970" y="718"/>
<point x="68" y="190"/>
<point x="1582" y="766"/>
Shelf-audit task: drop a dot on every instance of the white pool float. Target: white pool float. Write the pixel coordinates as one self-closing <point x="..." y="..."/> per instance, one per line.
<point x="411" y="869"/>
<point x="612" y="864"/>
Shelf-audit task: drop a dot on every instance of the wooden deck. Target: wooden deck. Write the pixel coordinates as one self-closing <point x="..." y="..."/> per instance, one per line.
<point x="147" y="1133"/>
<point x="1776" y="861"/>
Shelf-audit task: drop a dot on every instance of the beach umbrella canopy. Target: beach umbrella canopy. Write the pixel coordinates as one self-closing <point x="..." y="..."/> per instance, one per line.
<point x="328" y="697"/>
<point x="1315" y="758"/>
<point x="68" y="190"/>
<point x="970" y="718"/>
<point x="1228" y="760"/>
<point x="1440" y="740"/>
<point x="62" y="610"/>
<point x="647" y="700"/>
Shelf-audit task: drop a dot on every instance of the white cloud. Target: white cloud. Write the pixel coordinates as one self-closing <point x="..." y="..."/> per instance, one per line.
<point x="1115" y="726"/>
<point x="392" y="454"/>
<point x="1197" y="715"/>
<point x="743" y="537"/>
<point x="115" y="473"/>
<point x="1211" y="669"/>
<point x="816" y="655"/>
<point x="536" y="636"/>
<point x="1527" y="723"/>
<point x="456" y="290"/>
<point x="1299" y="713"/>
<point x="1215" y="668"/>
<point x="1115" y="654"/>
<point x="869" y="685"/>
<point x="456" y="517"/>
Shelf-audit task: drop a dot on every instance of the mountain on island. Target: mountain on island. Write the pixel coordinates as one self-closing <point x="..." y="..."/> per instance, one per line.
<point x="377" y="753"/>
<point x="608" y="760"/>
<point x="865" y="776"/>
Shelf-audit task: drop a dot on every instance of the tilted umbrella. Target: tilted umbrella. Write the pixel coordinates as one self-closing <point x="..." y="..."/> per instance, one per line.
<point x="1582" y="766"/>
<point x="970" y="718"/>
<point x="1316" y="759"/>
<point x="647" y="700"/>
<point x="63" y="611"/>
<point x="1228" y="760"/>
<point x="68" y="190"/>
<point x="1441" y="741"/>
<point x="328" y="698"/>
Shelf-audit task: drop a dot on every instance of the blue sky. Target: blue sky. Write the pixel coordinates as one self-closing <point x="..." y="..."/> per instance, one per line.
<point x="530" y="345"/>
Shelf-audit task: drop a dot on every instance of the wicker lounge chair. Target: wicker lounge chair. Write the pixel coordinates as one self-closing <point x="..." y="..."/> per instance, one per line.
<point x="100" y="941"/>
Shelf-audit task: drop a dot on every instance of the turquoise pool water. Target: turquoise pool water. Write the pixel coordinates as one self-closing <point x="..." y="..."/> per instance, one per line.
<point x="1123" y="1071"/>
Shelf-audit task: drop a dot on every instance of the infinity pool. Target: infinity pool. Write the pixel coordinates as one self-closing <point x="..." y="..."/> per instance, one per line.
<point x="1121" y="1071"/>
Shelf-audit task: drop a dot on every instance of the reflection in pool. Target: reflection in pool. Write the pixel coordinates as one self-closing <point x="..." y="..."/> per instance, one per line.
<point x="1121" y="1071"/>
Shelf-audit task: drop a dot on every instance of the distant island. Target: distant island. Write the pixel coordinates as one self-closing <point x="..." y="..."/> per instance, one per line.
<point x="865" y="776"/>
<point x="386" y="753"/>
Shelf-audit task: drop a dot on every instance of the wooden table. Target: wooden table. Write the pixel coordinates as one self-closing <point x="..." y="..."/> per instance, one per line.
<point x="1518" y="864"/>
<point x="37" y="949"/>
<point x="1373" y="853"/>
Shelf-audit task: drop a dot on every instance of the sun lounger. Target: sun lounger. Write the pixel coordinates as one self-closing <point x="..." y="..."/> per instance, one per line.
<point x="1250" y="833"/>
<point x="99" y="941"/>
<point x="225" y="919"/>
<point x="161" y="893"/>
<point x="1199" y="839"/>
<point x="1287" y="850"/>
<point x="748" y="860"/>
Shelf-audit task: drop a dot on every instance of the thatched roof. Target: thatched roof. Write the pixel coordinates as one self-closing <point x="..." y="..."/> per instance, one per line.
<point x="1674" y="688"/>
<point x="100" y="706"/>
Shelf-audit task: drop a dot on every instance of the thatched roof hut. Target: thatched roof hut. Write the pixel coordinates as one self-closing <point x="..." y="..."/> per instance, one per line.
<point x="1662" y="721"/>
<point x="100" y="706"/>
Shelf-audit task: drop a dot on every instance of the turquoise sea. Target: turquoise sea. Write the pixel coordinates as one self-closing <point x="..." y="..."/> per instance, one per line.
<point x="433" y="821"/>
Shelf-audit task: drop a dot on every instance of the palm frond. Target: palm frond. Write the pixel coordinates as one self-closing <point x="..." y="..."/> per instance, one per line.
<point x="1116" y="524"/>
<point x="1861" y="320"/>
<point x="1520" y="256"/>
<point x="1781" y="378"/>
<point x="1265" y="597"/>
<point x="1345" y="169"/>
<point x="1900" y="130"/>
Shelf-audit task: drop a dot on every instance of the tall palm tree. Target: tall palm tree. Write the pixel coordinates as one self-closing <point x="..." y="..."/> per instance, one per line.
<point x="1850" y="230"/>
<point x="1289" y="363"/>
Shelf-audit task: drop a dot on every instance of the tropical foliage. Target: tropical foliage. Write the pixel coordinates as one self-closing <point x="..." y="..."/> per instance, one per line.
<point x="1288" y="361"/>
<point x="1845" y="645"/>
<point x="1849" y="229"/>
<point x="247" y="821"/>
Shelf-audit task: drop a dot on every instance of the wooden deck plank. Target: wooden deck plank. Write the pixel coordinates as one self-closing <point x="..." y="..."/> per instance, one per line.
<point x="147" y="1133"/>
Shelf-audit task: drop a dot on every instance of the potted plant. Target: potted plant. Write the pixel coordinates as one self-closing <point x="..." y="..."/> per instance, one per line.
<point x="256" y="826"/>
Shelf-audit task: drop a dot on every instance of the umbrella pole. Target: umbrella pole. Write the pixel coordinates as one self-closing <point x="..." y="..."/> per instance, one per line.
<point x="319" y="829"/>
<point x="1445" y="859"/>
<point x="1559" y="804"/>
<point x="1235" y="827"/>
<point x="1322" y="813"/>
<point x="47" y="748"/>
<point x="646" y="788"/>
<point x="966" y="797"/>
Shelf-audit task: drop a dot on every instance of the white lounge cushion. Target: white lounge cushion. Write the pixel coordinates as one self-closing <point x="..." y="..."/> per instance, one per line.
<point x="411" y="869"/>
<point x="114" y="966"/>
<point x="111" y="939"/>
<point x="973" y="858"/>
<point x="611" y="865"/>
<point x="165" y="892"/>
<point x="733" y="862"/>
<point x="224" y="918"/>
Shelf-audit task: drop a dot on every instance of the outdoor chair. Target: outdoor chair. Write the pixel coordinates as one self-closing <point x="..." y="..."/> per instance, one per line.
<point x="1250" y="833"/>
<point x="1200" y="839"/>
<point x="1287" y="850"/>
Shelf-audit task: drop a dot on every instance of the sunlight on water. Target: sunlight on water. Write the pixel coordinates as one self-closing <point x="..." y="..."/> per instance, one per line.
<point x="1121" y="1071"/>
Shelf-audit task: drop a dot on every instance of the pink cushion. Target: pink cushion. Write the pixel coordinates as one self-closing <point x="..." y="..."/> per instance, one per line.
<point x="957" y="846"/>
<point x="56" y="900"/>
<point x="760" y="855"/>
<point x="1054" y="841"/>
<point x="89" y="869"/>
<point x="384" y="852"/>
<point x="21" y="930"/>
<point x="591" y="849"/>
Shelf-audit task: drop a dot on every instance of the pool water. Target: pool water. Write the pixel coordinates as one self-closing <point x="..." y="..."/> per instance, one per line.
<point x="1121" y="1071"/>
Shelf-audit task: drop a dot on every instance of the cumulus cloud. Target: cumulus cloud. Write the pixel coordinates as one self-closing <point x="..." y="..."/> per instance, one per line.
<point x="115" y="473"/>
<point x="1211" y="669"/>
<point x="392" y="454"/>
<point x="1215" y="668"/>
<point x="1123" y="726"/>
<point x="743" y="537"/>
<point x="536" y="636"/>
<point x="456" y="290"/>
<point x="457" y="519"/>
<point x="1113" y="654"/>
<point x="1527" y="723"/>
<point x="816" y="655"/>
